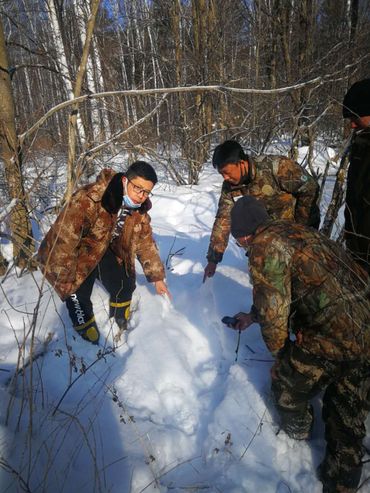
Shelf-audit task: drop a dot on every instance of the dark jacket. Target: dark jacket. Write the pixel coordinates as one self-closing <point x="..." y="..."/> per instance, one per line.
<point x="82" y="232"/>
<point x="357" y="211"/>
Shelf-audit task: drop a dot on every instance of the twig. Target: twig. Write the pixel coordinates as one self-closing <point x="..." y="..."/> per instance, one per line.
<point x="285" y="484"/>
<point x="100" y="356"/>
<point x="237" y="347"/>
<point x="170" y="255"/>
<point x="261" y="360"/>
<point x="169" y="470"/>
<point x="35" y="355"/>
<point x="258" y="429"/>
<point x="23" y="484"/>
<point x="10" y="304"/>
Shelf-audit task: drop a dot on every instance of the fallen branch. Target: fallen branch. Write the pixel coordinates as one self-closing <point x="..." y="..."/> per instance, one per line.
<point x="163" y="90"/>
<point x="258" y="429"/>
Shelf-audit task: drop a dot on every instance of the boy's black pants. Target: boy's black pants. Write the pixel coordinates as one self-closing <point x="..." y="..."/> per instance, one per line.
<point x="115" y="280"/>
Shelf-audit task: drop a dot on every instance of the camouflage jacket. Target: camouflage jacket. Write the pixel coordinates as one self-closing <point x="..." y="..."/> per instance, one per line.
<point x="287" y="190"/>
<point x="82" y="232"/>
<point x="307" y="284"/>
<point x="357" y="211"/>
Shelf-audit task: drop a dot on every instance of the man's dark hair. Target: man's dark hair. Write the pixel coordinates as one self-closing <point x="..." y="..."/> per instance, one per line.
<point x="228" y="152"/>
<point x="142" y="169"/>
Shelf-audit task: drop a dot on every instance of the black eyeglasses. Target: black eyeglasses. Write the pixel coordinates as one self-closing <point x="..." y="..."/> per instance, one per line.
<point x="140" y="190"/>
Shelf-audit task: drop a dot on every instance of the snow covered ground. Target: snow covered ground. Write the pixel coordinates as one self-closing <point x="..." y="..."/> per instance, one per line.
<point x="174" y="408"/>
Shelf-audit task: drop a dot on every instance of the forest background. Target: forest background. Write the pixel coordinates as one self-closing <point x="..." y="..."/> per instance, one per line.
<point x="87" y="84"/>
<point x="168" y="79"/>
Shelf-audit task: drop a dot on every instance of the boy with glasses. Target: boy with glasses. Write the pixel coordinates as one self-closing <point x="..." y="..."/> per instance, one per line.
<point x="98" y="235"/>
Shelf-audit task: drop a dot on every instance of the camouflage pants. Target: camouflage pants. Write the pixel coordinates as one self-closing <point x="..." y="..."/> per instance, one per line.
<point x="297" y="376"/>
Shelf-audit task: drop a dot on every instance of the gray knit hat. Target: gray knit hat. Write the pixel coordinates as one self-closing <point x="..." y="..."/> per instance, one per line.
<point x="247" y="214"/>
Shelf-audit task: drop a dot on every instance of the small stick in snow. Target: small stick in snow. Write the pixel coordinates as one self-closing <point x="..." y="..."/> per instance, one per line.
<point x="237" y="347"/>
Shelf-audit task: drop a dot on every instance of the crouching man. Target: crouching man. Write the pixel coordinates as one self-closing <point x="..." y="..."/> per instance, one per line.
<point x="313" y="305"/>
<point x="98" y="235"/>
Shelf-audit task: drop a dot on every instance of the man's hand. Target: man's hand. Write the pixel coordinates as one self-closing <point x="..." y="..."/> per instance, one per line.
<point x="244" y="320"/>
<point x="162" y="289"/>
<point x="209" y="270"/>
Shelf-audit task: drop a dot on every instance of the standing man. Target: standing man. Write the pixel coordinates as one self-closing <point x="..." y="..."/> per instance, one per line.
<point x="313" y="305"/>
<point x="98" y="235"/>
<point x="286" y="189"/>
<point x="356" y="107"/>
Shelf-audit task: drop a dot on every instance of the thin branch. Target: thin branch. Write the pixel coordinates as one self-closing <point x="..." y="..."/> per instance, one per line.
<point x="100" y="356"/>
<point x="162" y="90"/>
<point x="258" y="429"/>
<point x="92" y="152"/>
<point x="23" y="484"/>
<point x="212" y="88"/>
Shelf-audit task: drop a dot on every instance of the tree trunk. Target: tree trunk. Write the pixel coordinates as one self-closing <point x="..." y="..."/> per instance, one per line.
<point x="61" y="60"/>
<point x="23" y="244"/>
<point x="72" y="174"/>
<point x="337" y="196"/>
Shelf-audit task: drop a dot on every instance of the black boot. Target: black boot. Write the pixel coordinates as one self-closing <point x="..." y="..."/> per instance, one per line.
<point x="89" y="331"/>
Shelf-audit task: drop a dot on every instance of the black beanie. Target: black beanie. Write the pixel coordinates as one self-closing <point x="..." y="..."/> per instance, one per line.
<point x="247" y="214"/>
<point x="356" y="102"/>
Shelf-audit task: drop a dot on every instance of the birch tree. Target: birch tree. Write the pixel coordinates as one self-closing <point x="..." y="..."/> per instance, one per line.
<point x="94" y="80"/>
<point x="61" y="60"/>
<point x="72" y="174"/>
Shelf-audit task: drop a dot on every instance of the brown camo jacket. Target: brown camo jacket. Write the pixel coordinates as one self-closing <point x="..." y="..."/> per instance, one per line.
<point x="286" y="189"/>
<point x="309" y="285"/>
<point x="82" y="232"/>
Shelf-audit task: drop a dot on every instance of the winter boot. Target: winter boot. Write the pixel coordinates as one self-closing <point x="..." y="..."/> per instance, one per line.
<point x="121" y="314"/>
<point x="89" y="331"/>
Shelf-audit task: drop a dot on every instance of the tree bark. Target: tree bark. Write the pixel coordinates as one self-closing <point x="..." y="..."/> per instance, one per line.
<point x="337" y="196"/>
<point x="20" y="225"/>
<point x="72" y="174"/>
<point x="61" y="59"/>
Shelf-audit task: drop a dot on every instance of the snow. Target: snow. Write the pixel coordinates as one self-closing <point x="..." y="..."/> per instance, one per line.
<point x="174" y="408"/>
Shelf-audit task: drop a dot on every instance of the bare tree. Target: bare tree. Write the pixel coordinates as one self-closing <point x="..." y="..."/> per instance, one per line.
<point x="72" y="173"/>
<point x="23" y="245"/>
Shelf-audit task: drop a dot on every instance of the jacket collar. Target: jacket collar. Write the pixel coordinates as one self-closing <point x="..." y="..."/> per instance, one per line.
<point x="113" y="197"/>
